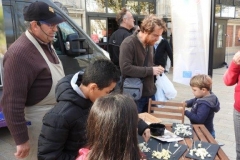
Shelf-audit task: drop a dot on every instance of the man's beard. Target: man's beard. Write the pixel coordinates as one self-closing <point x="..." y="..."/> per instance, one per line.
<point x="150" y="43"/>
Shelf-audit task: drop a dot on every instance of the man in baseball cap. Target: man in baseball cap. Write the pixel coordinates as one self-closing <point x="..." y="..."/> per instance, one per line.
<point x="29" y="97"/>
<point x="40" y="11"/>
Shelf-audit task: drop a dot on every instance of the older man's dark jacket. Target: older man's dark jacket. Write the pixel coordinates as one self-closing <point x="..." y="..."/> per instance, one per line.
<point x="115" y="41"/>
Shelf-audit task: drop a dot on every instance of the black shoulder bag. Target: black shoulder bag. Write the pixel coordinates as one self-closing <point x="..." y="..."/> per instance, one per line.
<point x="134" y="86"/>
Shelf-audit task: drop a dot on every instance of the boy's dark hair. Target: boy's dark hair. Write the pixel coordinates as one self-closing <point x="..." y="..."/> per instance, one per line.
<point x="201" y="81"/>
<point x="112" y="128"/>
<point x="102" y="72"/>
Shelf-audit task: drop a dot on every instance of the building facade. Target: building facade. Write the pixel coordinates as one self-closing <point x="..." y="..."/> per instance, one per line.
<point x="97" y="18"/>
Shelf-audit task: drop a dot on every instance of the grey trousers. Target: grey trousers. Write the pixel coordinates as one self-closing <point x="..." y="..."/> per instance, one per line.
<point x="236" y="120"/>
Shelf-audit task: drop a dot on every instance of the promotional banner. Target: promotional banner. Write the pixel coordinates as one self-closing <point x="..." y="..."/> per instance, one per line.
<point x="190" y="31"/>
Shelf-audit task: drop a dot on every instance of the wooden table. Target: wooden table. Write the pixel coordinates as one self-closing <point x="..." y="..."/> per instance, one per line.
<point x="200" y="133"/>
<point x="148" y="118"/>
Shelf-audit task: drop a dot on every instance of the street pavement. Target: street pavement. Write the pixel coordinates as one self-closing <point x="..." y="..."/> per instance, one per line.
<point x="223" y="121"/>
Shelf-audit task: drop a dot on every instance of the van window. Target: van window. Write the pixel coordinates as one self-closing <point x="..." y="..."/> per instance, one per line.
<point x="8" y="25"/>
<point x="20" y="25"/>
<point x="64" y="29"/>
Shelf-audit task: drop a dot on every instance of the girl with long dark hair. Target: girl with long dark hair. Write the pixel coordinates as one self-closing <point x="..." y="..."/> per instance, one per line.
<point x="112" y="130"/>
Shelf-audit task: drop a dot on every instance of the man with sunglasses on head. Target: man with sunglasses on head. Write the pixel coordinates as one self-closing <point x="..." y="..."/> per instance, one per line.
<point x="31" y="72"/>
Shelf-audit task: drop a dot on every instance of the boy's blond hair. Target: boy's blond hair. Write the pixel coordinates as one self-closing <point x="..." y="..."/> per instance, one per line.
<point x="201" y="81"/>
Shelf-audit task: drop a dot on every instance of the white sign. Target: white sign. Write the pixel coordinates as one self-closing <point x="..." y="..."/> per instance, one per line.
<point x="190" y="28"/>
<point x="228" y="11"/>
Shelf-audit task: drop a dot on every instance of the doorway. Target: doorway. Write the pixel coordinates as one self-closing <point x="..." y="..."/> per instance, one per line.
<point x="219" y="43"/>
<point x="101" y="28"/>
<point x="98" y="31"/>
<point x="112" y="26"/>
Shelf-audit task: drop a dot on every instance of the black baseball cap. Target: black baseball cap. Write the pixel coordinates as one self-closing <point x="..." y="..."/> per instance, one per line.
<point x="40" y="11"/>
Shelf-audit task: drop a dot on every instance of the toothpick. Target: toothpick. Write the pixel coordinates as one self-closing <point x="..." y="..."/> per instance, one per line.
<point x="176" y="150"/>
<point x="208" y="147"/>
<point x="168" y="146"/>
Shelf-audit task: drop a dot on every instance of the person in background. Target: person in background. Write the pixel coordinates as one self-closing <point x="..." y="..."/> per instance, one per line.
<point x="112" y="130"/>
<point x="125" y="21"/>
<point x="204" y="105"/>
<point x="31" y="72"/>
<point x="230" y="78"/>
<point x="136" y="28"/>
<point x="133" y="51"/>
<point x="171" y="41"/>
<point x="162" y="52"/>
<point x="64" y="126"/>
<point x="238" y="34"/>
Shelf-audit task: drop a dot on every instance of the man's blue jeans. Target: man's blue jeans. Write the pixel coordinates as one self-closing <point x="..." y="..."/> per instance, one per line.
<point x="142" y="103"/>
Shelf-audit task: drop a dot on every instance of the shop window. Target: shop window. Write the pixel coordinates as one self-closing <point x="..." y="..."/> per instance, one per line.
<point x="96" y="6"/>
<point x="114" y="6"/>
<point x="146" y="8"/>
<point x="220" y="36"/>
<point x="132" y="6"/>
<point x="217" y="10"/>
<point x="98" y="30"/>
<point x="141" y="7"/>
<point x="237" y="35"/>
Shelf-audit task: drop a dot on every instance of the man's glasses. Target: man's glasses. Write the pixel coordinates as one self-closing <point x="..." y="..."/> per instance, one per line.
<point x="52" y="26"/>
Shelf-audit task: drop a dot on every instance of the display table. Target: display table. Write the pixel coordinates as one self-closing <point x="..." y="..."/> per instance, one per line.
<point x="148" y="118"/>
<point x="200" y="133"/>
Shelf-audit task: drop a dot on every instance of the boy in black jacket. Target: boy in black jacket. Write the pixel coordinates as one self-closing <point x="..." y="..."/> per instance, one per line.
<point x="64" y="127"/>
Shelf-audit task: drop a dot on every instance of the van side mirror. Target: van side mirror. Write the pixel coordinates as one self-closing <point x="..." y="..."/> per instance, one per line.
<point x="74" y="45"/>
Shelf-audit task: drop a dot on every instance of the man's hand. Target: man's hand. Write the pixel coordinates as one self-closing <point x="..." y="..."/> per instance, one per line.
<point x="22" y="150"/>
<point x="146" y="134"/>
<point x="157" y="70"/>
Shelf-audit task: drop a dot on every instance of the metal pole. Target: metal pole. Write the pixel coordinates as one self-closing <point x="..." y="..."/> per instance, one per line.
<point x="227" y="37"/>
<point x="211" y="38"/>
